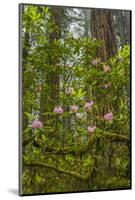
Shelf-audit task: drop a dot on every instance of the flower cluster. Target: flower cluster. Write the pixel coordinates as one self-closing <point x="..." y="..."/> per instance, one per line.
<point x="108" y="116"/>
<point x="91" y="129"/>
<point x="74" y="109"/>
<point x="107" y="85"/>
<point x="106" y="68"/>
<point x="58" y="110"/>
<point x="88" y="105"/>
<point x="37" y="124"/>
<point x="95" y="62"/>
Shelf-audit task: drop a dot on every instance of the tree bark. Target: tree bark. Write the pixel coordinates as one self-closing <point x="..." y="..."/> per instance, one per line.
<point x="102" y="29"/>
<point x="127" y="20"/>
<point x="25" y="52"/>
<point x="50" y="97"/>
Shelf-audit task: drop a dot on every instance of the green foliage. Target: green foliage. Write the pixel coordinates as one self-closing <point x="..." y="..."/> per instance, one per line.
<point x="50" y="67"/>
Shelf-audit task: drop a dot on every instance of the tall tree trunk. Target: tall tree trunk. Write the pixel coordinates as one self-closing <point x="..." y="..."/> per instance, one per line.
<point x="50" y="97"/>
<point x="102" y="29"/>
<point x="127" y="20"/>
<point x="121" y="27"/>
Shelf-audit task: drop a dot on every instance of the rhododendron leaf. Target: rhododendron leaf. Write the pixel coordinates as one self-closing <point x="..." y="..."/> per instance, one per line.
<point x="88" y="162"/>
<point x="81" y="131"/>
<point x="29" y="116"/>
<point x="80" y="93"/>
<point x="44" y="137"/>
<point x="93" y="83"/>
<point x="98" y="133"/>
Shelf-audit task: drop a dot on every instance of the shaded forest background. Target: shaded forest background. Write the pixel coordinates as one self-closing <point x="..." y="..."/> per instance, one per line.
<point x="75" y="99"/>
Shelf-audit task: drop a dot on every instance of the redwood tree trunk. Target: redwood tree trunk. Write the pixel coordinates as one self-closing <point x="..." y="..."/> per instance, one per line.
<point x="102" y="29"/>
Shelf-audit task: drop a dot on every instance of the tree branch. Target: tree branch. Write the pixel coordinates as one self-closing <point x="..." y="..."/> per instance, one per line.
<point x="116" y="137"/>
<point x="89" y="145"/>
<point x="59" y="170"/>
<point x="78" y="150"/>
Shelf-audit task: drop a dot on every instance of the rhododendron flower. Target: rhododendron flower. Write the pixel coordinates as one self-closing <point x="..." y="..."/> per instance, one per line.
<point x="74" y="109"/>
<point x="95" y="61"/>
<point x="107" y="85"/>
<point x="37" y="124"/>
<point x="106" y="68"/>
<point x="108" y="116"/>
<point x="91" y="129"/>
<point x="88" y="105"/>
<point x="58" y="110"/>
<point x="69" y="90"/>
<point x="120" y="58"/>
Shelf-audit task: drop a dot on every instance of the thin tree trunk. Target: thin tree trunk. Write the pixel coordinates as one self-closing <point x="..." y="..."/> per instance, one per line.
<point x="25" y="53"/>
<point x="50" y="97"/>
<point x="127" y="20"/>
<point x="121" y="28"/>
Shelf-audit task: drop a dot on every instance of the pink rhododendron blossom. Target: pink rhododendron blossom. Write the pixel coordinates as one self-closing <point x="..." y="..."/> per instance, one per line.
<point x="69" y="90"/>
<point x="106" y="68"/>
<point x="107" y="85"/>
<point x="120" y="58"/>
<point x="91" y="129"/>
<point x="74" y="109"/>
<point x="88" y="105"/>
<point x="37" y="124"/>
<point x="95" y="62"/>
<point x="58" y="110"/>
<point x="108" y="116"/>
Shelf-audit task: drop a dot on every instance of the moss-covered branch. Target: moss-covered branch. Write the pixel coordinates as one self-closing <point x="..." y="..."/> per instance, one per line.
<point x="75" y="149"/>
<point x="83" y="148"/>
<point x="59" y="170"/>
<point x="89" y="145"/>
<point x="115" y="137"/>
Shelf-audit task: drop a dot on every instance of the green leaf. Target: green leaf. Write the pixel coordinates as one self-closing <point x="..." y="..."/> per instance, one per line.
<point x="29" y="116"/>
<point x="44" y="137"/>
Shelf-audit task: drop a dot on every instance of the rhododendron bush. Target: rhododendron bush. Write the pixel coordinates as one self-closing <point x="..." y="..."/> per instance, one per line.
<point x="76" y="112"/>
